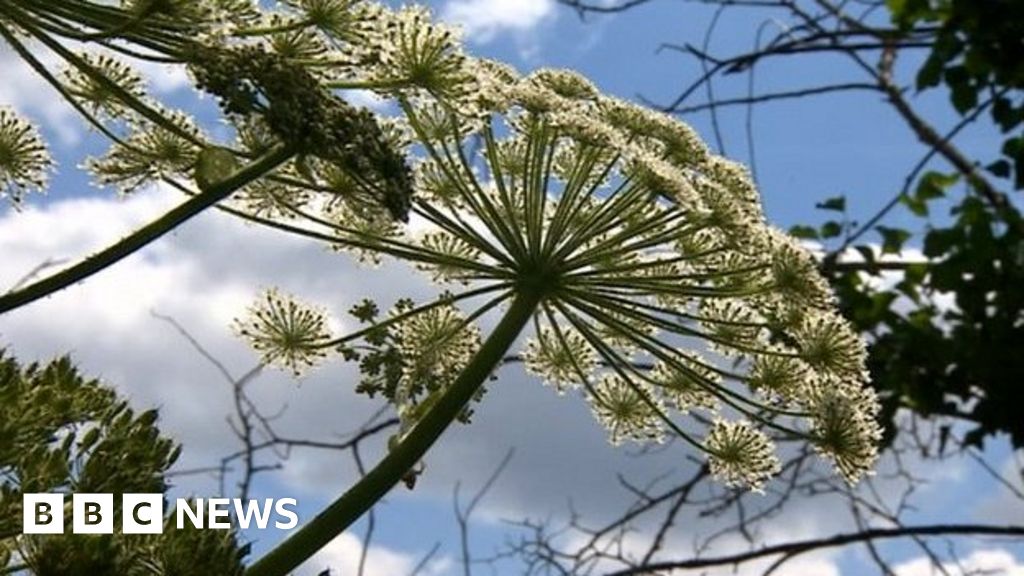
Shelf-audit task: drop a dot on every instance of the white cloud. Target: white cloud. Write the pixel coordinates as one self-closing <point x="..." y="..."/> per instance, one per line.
<point x="990" y="561"/>
<point x="29" y="94"/>
<point x="811" y="564"/>
<point x="1004" y="505"/>
<point x="636" y="544"/>
<point x="203" y="275"/>
<point x="163" y="78"/>
<point x="371" y="100"/>
<point x="799" y="523"/>
<point x="341" y="555"/>
<point x="483" y="20"/>
<point x="206" y="273"/>
<point x="25" y="90"/>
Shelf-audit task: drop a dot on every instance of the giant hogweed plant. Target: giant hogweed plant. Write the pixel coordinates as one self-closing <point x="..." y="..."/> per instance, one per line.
<point x="62" y="432"/>
<point x="636" y="264"/>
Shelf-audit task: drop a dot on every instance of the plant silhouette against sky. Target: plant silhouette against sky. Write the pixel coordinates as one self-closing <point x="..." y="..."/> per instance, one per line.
<point x="637" y="263"/>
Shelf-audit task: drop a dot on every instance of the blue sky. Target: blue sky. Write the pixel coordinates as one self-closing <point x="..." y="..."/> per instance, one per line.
<point x="205" y="273"/>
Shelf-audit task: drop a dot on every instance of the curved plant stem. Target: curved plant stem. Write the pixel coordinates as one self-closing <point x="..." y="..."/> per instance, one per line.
<point x="148" y="233"/>
<point x="340" y="514"/>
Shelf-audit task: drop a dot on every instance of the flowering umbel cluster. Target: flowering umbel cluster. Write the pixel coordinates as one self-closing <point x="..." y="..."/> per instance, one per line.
<point x="662" y="290"/>
<point x="24" y="160"/>
<point x="658" y="289"/>
<point x="269" y="69"/>
<point x="285" y="331"/>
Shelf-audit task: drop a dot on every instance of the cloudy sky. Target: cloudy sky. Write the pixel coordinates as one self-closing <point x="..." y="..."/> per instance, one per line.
<point x="205" y="273"/>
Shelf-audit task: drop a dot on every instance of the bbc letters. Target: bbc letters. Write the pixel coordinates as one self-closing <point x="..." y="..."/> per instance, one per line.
<point x="144" y="513"/>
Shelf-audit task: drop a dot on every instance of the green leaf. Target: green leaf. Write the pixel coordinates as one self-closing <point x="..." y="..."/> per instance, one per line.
<point x="805" y="232"/>
<point x="149" y="417"/>
<point x="916" y="206"/>
<point x="910" y="290"/>
<point x="892" y="239"/>
<point x="882" y="301"/>
<point x="89" y="440"/>
<point x="932" y="185"/>
<point x="831" y="229"/>
<point x="999" y="169"/>
<point x="939" y="242"/>
<point x="964" y="96"/>
<point x="915" y="273"/>
<point x="835" y="204"/>
<point x="868" y="255"/>
<point x="930" y="73"/>
<point x="906" y="12"/>
<point x="1013" y="149"/>
<point x="1005" y="115"/>
<point x="896" y="6"/>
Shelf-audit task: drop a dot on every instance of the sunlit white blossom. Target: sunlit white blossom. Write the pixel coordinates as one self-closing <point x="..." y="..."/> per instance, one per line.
<point x="285" y="331"/>
<point x="741" y="455"/>
<point x="24" y="159"/>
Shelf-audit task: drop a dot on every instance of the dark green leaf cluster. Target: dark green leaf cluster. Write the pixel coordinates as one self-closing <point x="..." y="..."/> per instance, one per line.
<point x="191" y="551"/>
<point x="61" y="432"/>
<point x="383" y="367"/>
<point x="945" y="333"/>
<point x="978" y="53"/>
<point x="185" y="552"/>
<point x="380" y="362"/>
<point x="946" y="338"/>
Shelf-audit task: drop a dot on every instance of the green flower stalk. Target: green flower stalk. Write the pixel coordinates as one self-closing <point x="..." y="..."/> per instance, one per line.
<point x="266" y="68"/>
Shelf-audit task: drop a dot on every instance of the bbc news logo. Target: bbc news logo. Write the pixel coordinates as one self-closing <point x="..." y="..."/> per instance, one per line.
<point x="144" y="513"/>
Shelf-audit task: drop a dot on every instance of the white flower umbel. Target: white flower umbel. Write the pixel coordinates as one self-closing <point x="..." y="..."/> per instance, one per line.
<point x="741" y="455"/>
<point x="561" y="357"/>
<point x="285" y="331"/>
<point x="24" y="160"/>
<point x="97" y="96"/>
<point x="629" y="411"/>
<point x="640" y="261"/>
<point x="844" y="427"/>
<point x="659" y="287"/>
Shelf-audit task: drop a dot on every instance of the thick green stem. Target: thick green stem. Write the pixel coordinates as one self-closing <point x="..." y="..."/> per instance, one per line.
<point x="300" y="546"/>
<point x="148" y="233"/>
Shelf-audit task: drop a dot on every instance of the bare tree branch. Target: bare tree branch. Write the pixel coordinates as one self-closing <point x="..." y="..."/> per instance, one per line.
<point x="462" y="515"/>
<point x="790" y="549"/>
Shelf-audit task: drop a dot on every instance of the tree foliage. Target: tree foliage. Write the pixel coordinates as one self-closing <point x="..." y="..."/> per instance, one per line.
<point x="63" y="433"/>
<point x="945" y="334"/>
<point x="942" y="329"/>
